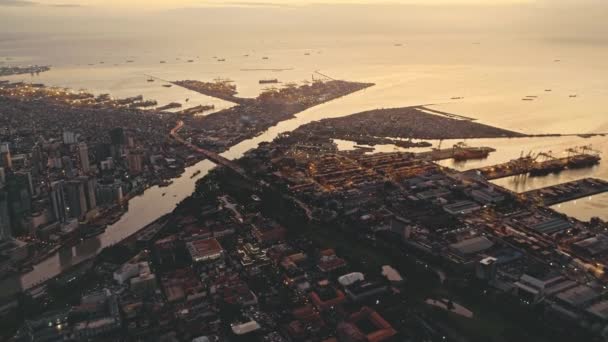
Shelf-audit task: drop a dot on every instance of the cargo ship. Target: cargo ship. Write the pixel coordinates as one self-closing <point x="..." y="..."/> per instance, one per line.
<point x="583" y="160"/>
<point x="269" y="81"/>
<point x="470" y="153"/>
<point x="546" y="168"/>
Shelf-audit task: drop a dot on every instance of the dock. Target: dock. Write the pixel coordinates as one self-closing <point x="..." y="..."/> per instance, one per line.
<point x="566" y="192"/>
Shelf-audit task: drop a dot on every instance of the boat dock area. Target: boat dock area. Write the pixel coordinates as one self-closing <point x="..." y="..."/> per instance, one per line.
<point x="566" y="192"/>
<point x="532" y="166"/>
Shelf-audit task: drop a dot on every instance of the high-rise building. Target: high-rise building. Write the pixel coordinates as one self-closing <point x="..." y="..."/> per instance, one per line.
<point x="89" y="190"/>
<point x="37" y="160"/>
<point x="109" y="194"/>
<point x="83" y="157"/>
<point x="68" y="166"/>
<point x="5" y="156"/>
<point x="58" y="202"/>
<point x="69" y="138"/>
<point x="76" y="199"/>
<point x="18" y="187"/>
<point x="6" y="231"/>
<point x="135" y="160"/>
<point x="117" y="136"/>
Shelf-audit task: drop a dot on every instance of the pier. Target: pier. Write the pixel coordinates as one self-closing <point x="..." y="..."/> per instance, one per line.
<point x="566" y="192"/>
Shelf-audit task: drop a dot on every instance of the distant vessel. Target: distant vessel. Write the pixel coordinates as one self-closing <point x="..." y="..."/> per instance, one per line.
<point x="269" y="81"/>
<point x="307" y="54"/>
<point x="470" y="153"/>
<point x="573" y="96"/>
<point x="527" y="99"/>
<point x="554" y="166"/>
<point x="164" y="193"/>
<point x="150" y="80"/>
<point x="190" y="61"/>
<point x="398" y="44"/>
<point x="129" y="61"/>
<point x="163" y="62"/>
<point x="167" y="85"/>
<point x="583" y="160"/>
<point x="548" y="90"/>
<point x="94" y="231"/>
<point x="457" y="98"/>
<point x="196" y="173"/>
<point x="221" y="60"/>
<point x="264" y="57"/>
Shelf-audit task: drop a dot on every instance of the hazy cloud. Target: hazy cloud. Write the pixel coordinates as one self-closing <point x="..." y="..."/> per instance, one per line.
<point x="18" y="3"/>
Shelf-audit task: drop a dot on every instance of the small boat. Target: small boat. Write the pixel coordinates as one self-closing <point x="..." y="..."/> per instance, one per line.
<point x="150" y="80"/>
<point x="221" y="60"/>
<point x="190" y="61"/>
<point x="129" y="61"/>
<point x="307" y="54"/>
<point x="187" y="100"/>
<point x="196" y="173"/>
<point x="245" y="55"/>
<point x="398" y="44"/>
<point x="167" y="85"/>
<point x="163" y="62"/>
<point x="264" y="57"/>
<point x="527" y="99"/>
<point x="457" y="98"/>
<point x="573" y="96"/>
<point x="164" y="193"/>
<point x="269" y="81"/>
<point x="548" y="90"/>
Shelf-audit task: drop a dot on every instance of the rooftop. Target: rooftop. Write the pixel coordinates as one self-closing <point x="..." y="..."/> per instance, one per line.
<point x="201" y="250"/>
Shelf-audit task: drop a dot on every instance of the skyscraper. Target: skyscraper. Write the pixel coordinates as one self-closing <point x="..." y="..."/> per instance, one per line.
<point x="76" y="199"/>
<point x="58" y="202"/>
<point x="135" y="160"/>
<point x="6" y="231"/>
<point x="89" y="184"/>
<point x="5" y="156"/>
<point x="37" y="160"/>
<point x="83" y="157"/>
<point x="18" y="187"/>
